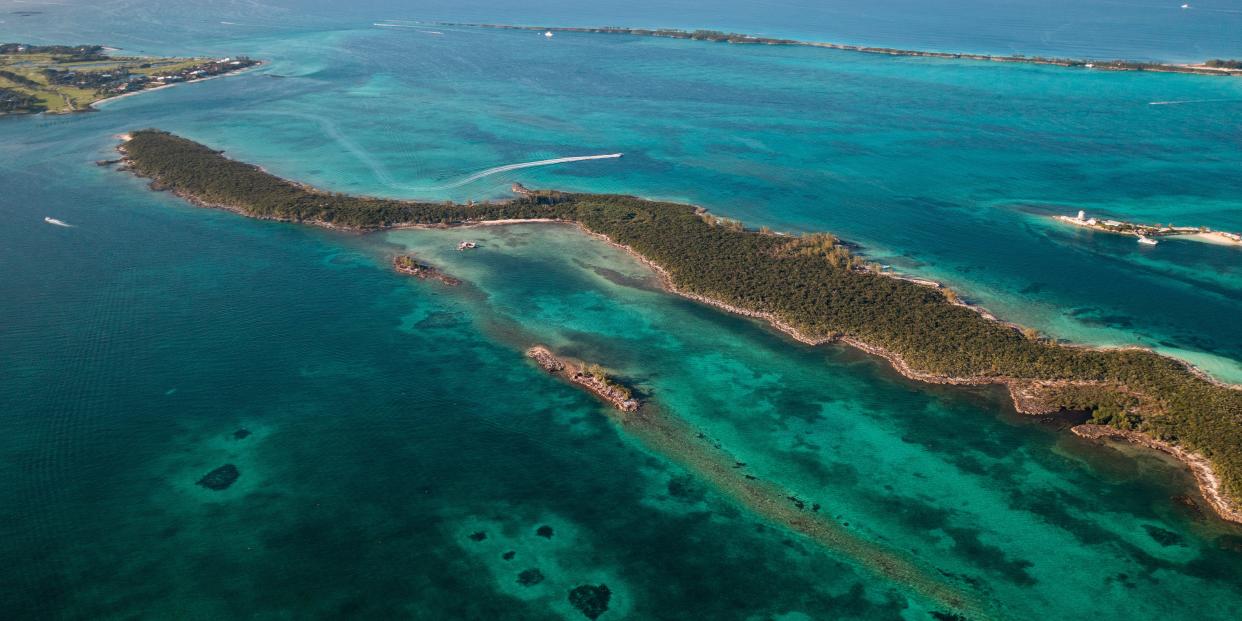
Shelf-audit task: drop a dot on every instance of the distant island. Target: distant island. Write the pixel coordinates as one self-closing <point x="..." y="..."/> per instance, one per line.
<point x="1147" y="233"/>
<point x="812" y="287"/>
<point x="1209" y="67"/>
<point x="59" y="79"/>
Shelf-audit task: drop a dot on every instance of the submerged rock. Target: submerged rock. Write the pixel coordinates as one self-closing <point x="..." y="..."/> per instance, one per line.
<point x="591" y="601"/>
<point x="530" y="577"/>
<point x="508" y="556"/>
<point x="1161" y="536"/>
<point x="544" y="531"/>
<point x="1189" y="506"/>
<point x="220" y="478"/>
<point x="686" y="488"/>
<point x="479" y="536"/>
<point x="1231" y="543"/>
<point x="241" y="433"/>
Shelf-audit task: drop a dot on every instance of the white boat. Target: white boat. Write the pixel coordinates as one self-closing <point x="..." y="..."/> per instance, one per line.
<point x="467" y="245"/>
<point x="1143" y="239"/>
<point x="56" y="222"/>
<point x="548" y="34"/>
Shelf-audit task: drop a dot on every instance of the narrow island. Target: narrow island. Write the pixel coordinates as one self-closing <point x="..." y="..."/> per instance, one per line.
<point x="812" y="287"/>
<point x="407" y="264"/>
<point x="1147" y="233"/>
<point x="591" y="377"/>
<point x="1215" y="66"/>
<point x="59" y="79"/>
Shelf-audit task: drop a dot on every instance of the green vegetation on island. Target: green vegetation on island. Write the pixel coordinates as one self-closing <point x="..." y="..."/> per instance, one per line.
<point x="62" y="78"/>
<point x="810" y="285"/>
<point x="1211" y="67"/>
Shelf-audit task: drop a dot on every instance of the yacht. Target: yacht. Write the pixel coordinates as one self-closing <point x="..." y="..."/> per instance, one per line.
<point x="1143" y="239"/>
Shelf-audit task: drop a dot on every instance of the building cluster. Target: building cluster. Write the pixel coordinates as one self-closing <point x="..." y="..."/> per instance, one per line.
<point x="122" y="80"/>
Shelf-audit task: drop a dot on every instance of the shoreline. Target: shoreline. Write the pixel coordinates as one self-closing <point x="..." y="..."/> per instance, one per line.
<point x="746" y="39"/>
<point x="98" y="104"/>
<point x="1209" y="483"/>
<point x="1025" y="393"/>
<point x="1152" y="231"/>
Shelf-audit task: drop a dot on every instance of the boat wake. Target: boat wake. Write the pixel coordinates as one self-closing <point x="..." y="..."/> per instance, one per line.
<point x="56" y="222"/>
<point x="507" y="167"/>
<point x="381" y="172"/>
<point x="1178" y="102"/>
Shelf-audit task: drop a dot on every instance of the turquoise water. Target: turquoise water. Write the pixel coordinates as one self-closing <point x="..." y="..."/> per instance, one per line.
<point x="797" y="139"/>
<point x="1137" y="29"/>
<point x="392" y="420"/>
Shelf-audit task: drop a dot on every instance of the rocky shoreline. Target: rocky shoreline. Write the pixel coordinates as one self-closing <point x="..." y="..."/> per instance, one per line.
<point x="407" y="264"/>
<point x="1209" y="483"/>
<point x="591" y="378"/>
<point x="1025" y="394"/>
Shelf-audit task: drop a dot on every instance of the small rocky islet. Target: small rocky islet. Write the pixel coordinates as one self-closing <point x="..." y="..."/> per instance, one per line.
<point x="407" y="264"/>
<point x="591" y="377"/>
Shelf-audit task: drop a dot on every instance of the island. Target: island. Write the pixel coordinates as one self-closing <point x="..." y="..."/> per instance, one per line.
<point x="1147" y="233"/>
<point x="407" y="264"/>
<point x="812" y="287"/>
<point x="588" y="376"/>
<point x="59" y="79"/>
<point x="1210" y="67"/>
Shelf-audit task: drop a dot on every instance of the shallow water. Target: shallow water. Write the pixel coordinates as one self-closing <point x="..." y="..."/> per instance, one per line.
<point x="392" y="419"/>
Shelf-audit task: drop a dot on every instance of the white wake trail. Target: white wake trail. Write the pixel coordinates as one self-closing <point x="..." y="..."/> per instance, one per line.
<point x="1177" y="102"/>
<point x="507" y="167"/>
<point x="381" y="172"/>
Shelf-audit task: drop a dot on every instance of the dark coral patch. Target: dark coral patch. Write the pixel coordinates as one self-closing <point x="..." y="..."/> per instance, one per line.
<point x="1161" y="536"/>
<point x="591" y="601"/>
<point x="544" y="531"/>
<point x="479" y="536"/>
<point x="220" y="478"/>
<point x="686" y="488"/>
<point x="530" y="577"/>
<point x="241" y="433"/>
<point x="508" y="556"/>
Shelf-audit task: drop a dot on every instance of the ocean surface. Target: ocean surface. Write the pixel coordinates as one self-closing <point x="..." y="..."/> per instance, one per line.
<point x="402" y="455"/>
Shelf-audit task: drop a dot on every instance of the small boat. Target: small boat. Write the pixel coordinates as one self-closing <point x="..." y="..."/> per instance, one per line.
<point x="56" y="222"/>
<point x="548" y="34"/>
<point x="467" y="245"/>
<point x="1185" y="6"/>
<point x="1143" y="239"/>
